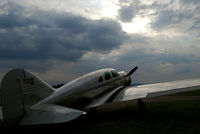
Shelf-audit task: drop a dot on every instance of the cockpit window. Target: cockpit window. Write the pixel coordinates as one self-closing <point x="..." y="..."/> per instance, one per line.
<point x="100" y="79"/>
<point x="114" y="73"/>
<point x="107" y="75"/>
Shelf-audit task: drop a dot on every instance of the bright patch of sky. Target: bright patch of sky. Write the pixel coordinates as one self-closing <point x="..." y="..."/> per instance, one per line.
<point x="137" y="25"/>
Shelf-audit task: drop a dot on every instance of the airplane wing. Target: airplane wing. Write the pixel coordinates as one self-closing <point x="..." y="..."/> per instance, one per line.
<point x="106" y="98"/>
<point x="146" y="91"/>
<point x="159" y="89"/>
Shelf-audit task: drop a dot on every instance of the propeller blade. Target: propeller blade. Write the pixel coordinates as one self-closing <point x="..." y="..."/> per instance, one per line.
<point x="132" y="71"/>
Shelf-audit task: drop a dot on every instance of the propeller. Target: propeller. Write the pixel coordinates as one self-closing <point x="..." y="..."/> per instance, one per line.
<point x="132" y="71"/>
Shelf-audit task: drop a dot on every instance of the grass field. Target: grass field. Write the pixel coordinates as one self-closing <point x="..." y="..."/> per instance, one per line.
<point x="164" y="116"/>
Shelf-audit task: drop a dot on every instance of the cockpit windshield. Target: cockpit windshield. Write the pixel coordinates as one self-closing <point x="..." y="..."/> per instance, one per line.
<point x="114" y="73"/>
<point x="107" y="75"/>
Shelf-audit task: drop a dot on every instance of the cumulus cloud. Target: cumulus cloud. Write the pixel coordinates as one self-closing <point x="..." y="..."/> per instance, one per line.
<point x="45" y="35"/>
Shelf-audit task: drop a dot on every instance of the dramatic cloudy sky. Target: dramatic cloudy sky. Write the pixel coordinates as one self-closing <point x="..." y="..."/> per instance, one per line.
<point x="59" y="40"/>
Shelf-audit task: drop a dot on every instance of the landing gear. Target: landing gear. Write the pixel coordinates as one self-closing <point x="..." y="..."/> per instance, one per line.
<point x="141" y="105"/>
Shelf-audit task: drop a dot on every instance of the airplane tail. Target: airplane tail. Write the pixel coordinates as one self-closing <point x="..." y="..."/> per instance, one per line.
<point x="20" y="89"/>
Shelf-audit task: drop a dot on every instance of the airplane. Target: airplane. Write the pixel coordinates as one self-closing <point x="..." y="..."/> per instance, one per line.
<point x="28" y="100"/>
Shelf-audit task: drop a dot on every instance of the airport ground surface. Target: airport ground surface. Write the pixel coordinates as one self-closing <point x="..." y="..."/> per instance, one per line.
<point x="177" y="114"/>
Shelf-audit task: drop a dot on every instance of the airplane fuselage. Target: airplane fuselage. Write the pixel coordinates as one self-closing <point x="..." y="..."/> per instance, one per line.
<point x="83" y="90"/>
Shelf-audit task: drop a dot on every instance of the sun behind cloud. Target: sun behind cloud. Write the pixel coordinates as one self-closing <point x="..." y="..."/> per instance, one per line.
<point x="138" y="25"/>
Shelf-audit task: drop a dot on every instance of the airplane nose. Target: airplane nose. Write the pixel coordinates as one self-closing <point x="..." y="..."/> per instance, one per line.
<point x="128" y="81"/>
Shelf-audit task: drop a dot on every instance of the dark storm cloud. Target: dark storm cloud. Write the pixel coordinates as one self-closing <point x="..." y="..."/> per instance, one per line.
<point x="50" y="35"/>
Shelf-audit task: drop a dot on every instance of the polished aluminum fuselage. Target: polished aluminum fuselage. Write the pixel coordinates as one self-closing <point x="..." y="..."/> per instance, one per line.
<point x="83" y="90"/>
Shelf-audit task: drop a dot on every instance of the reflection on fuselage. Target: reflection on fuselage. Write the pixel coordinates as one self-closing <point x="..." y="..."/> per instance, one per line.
<point x="83" y="90"/>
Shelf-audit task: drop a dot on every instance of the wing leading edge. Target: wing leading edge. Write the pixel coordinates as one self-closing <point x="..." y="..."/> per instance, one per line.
<point x="159" y="89"/>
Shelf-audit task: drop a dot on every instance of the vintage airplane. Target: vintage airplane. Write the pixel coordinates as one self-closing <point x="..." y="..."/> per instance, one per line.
<point x="28" y="100"/>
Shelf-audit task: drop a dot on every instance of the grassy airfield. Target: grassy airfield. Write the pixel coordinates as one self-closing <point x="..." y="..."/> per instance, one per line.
<point x="177" y="114"/>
